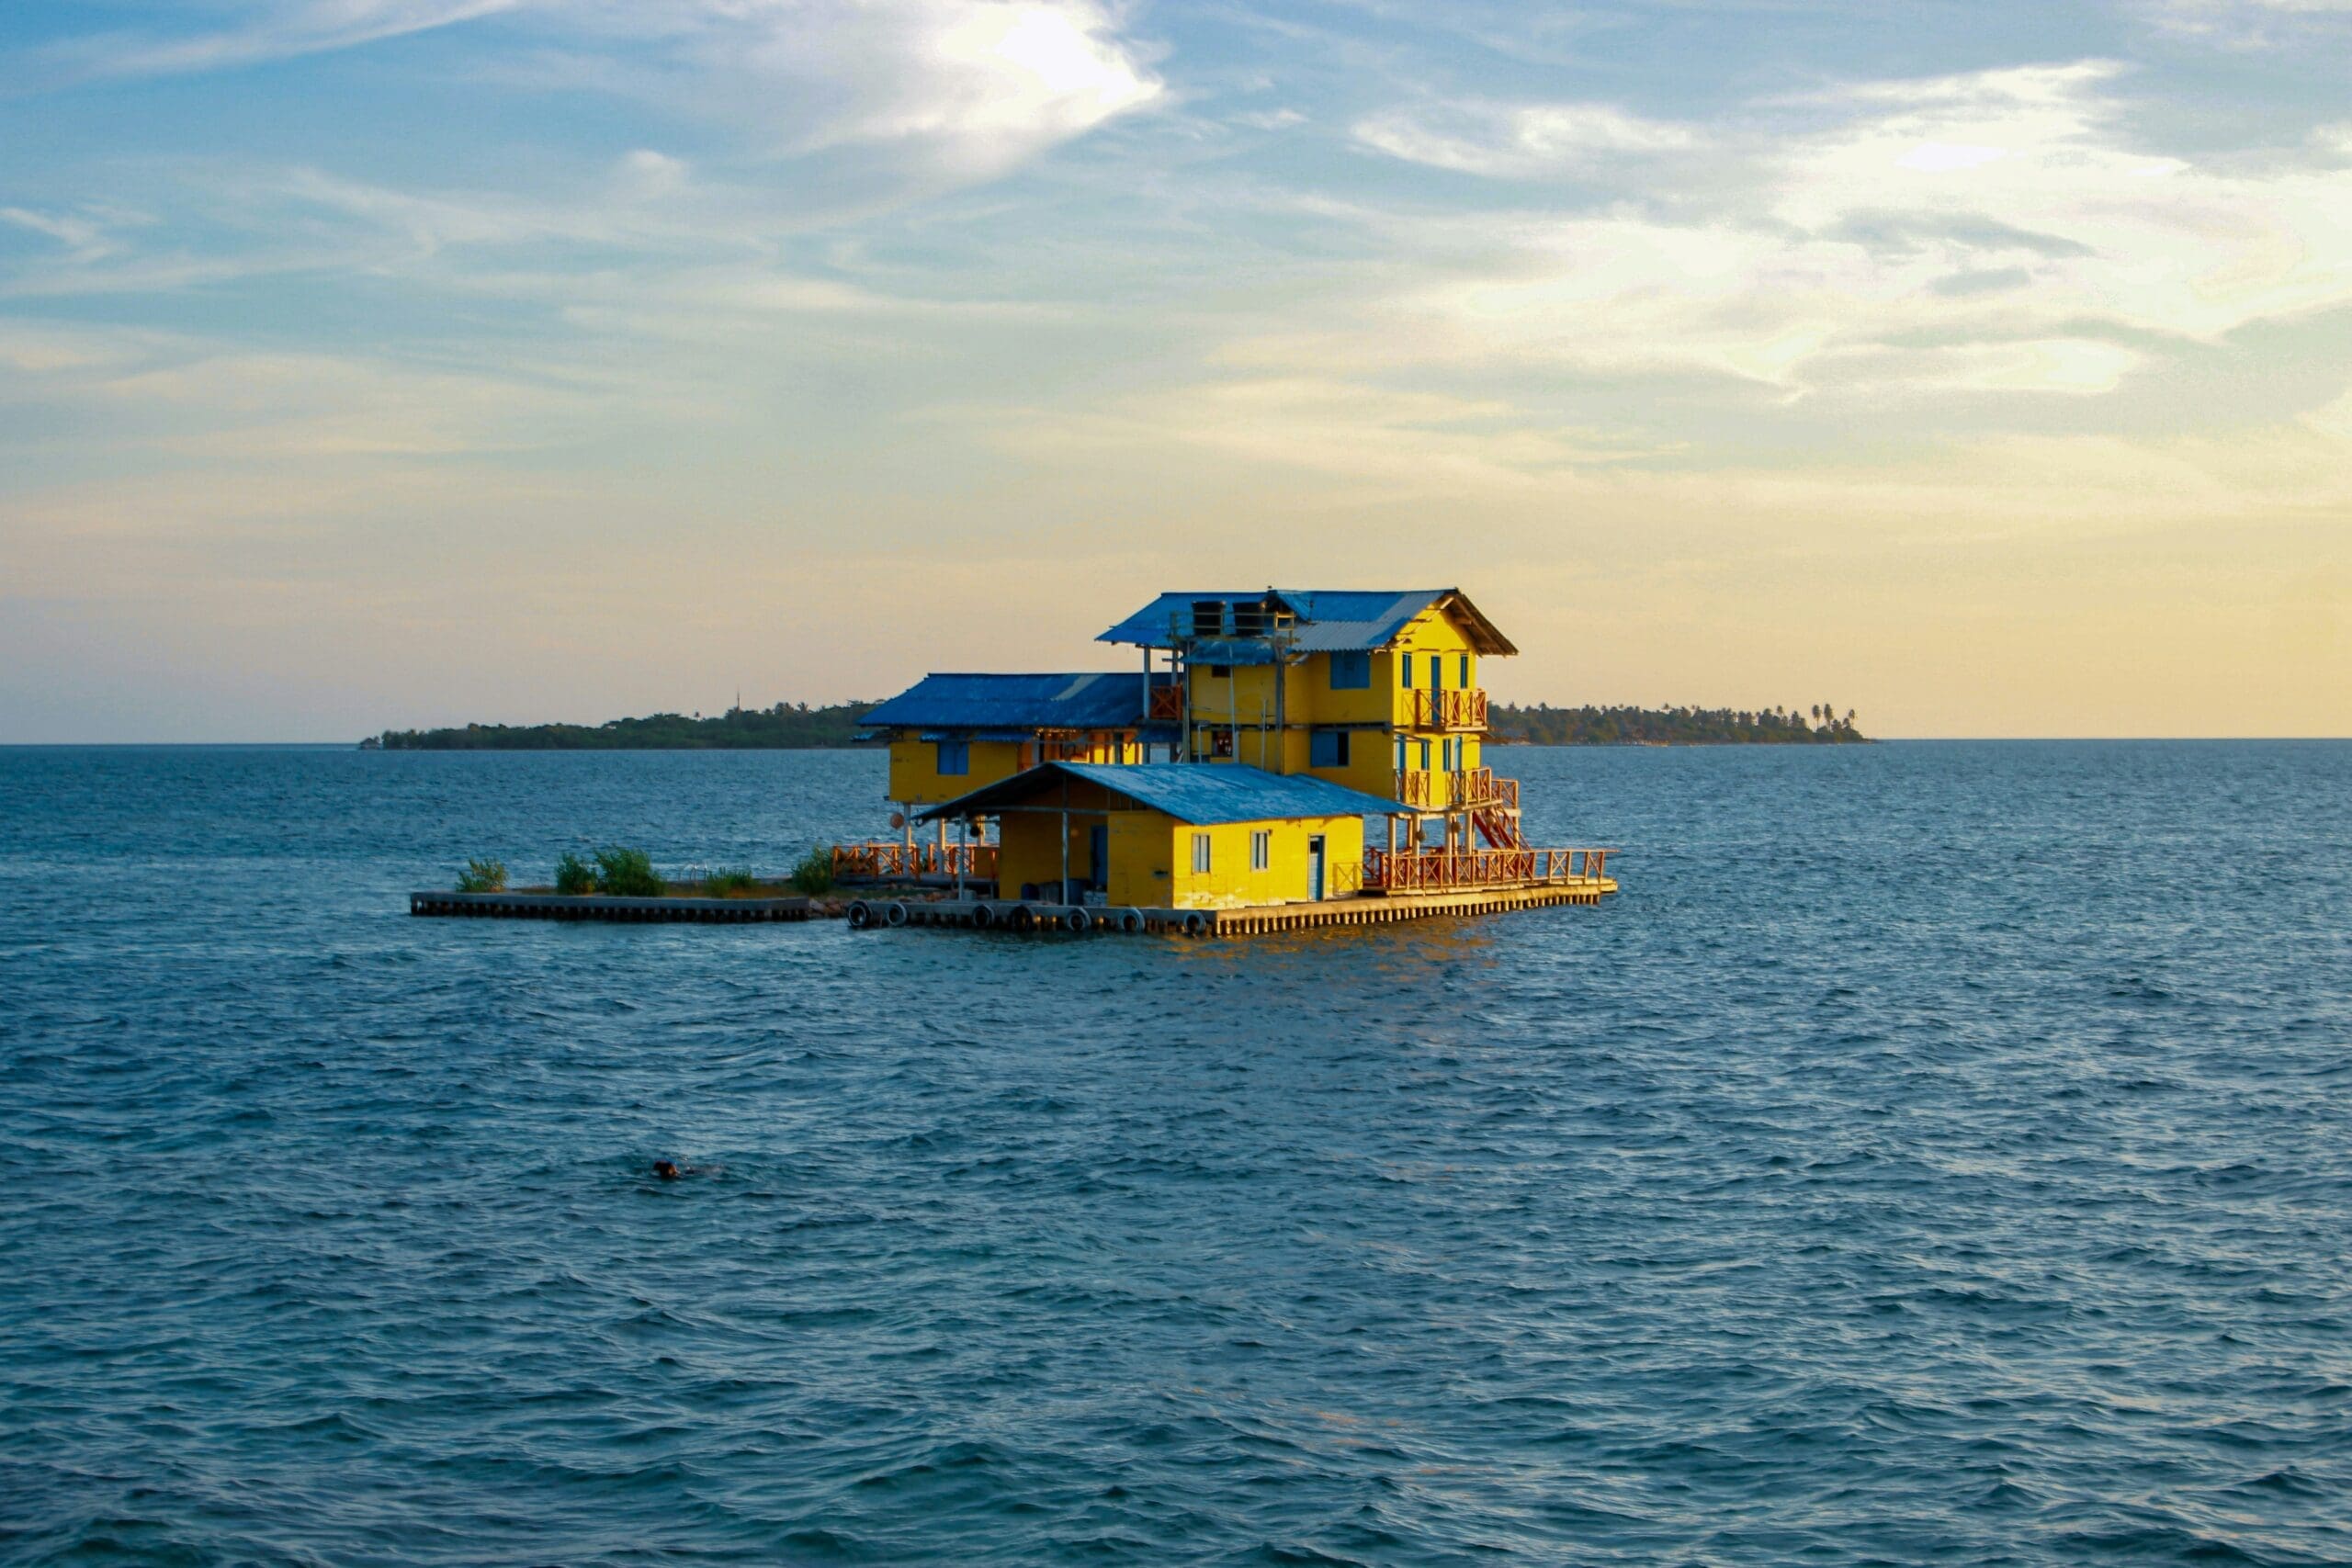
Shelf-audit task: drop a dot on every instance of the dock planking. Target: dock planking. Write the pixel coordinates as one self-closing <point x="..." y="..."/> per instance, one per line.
<point x="606" y="906"/>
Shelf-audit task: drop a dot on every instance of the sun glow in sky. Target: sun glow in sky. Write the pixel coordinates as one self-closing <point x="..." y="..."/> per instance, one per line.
<point x="1985" y="366"/>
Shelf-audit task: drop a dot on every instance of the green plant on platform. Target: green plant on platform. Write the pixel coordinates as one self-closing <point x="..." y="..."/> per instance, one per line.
<point x="814" y="874"/>
<point x="735" y="884"/>
<point x="627" y="873"/>
<point x="483" y="877"/>
<point x="574" y="876"/>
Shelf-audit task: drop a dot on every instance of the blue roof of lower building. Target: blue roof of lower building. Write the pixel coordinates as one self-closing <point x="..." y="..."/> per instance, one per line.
<point x="1088" y="700"/>
<point x="1200" y="794"/>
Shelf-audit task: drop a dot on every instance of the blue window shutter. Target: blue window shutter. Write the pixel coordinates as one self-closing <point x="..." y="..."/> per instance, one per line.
<point x="1350" y="671"/>
<point x="954" y="759"/>
<point x="1466" y="672"/>
<point x="1405" y="670"/>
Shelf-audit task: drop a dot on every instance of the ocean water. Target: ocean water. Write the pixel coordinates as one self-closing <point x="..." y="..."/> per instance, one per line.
<point x="1938" y="1152"/>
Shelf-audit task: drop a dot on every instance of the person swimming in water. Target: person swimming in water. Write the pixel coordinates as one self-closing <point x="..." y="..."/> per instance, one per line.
<point x="667" y="1169"/>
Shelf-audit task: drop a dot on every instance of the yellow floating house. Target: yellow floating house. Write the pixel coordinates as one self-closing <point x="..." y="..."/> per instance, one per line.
<point x="1235" y="769"/>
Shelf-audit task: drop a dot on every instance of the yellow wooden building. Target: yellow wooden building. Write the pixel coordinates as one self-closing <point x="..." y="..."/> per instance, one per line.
<point x="1171" y="836"/>
<point x="1374" y="696"/>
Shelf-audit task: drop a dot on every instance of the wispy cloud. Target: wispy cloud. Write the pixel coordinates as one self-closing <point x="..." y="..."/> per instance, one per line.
<point x="1519" y="140"/>
<point x="973" y="85"/>
<point x="1997" y="231"/>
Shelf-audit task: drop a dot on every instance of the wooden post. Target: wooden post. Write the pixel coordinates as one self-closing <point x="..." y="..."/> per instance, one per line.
<point x="1064" y="896"/>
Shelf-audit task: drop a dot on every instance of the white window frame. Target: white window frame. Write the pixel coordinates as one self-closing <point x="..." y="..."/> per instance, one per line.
<point x="1202" y="854"/>
<point x="1261" y="850"/>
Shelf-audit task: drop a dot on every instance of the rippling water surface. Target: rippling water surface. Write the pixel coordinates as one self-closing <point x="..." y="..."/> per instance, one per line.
<point x="1938" y="1152"/>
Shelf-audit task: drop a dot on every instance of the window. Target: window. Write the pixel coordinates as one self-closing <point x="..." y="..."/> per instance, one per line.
<point x="1327" y="749"/>
<point x="954" y="759"/>
<point x="1220" y="671"/>
<point x="1261" y="849"/>
<point x="1200" y="854"/>
<point x="1350" y="671"/>
<point x="1437" y="672"/>
<point x="1213" y="742"/>
<point x="1405" y="669"/>
<point x="1466" y="672"/>
<point x="1424" y="756"/>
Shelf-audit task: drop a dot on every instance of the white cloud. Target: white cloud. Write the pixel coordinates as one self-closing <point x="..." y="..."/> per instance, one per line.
<point x="1522" y="140"/>
<point x="973" y="86"/>
<point x="2000" y="231"/>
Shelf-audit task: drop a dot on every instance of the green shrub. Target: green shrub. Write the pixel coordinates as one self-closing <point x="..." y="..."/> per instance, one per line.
<point x="574" y="876"/>
<point x="483" y="877"/>
<point x="627" y="873"/>
<point x="730" y="884"/>
<point x="815" y="873"/>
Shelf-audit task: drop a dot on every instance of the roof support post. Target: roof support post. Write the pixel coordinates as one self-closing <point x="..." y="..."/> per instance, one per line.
<point x="1065" y="821"/>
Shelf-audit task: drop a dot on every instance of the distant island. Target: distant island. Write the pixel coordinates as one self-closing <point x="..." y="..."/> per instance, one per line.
<point x="798" y="726"/>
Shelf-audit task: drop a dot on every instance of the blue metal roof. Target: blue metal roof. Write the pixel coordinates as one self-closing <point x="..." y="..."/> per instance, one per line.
<point x="1329" y="620"/>
<point x="1096" y="700"/>
<point x="1200" y="794"/>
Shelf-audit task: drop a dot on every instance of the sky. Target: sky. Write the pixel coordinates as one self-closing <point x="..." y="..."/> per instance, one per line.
<point x="1982" y="366"/>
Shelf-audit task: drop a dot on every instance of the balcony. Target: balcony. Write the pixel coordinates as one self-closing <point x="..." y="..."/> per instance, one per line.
<point x="1167" y="704"/>
<point x="1455" y="871"/>
<point x="885" y="861"/>
<point x="1448" y="710"/>
<point x="1462" y="790"/>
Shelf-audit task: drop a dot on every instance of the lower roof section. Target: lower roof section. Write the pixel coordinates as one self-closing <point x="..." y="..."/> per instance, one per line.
<point x="1081" y="700"/>
<point x="1201" y="793"/>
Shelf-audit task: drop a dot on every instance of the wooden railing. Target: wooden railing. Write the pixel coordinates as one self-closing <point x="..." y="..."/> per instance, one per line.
<point x="885" y="862"/>
<point x="1456" y="790"/>
<point x="1446" y="871"/>
<point x="1448" y="710"/>
<point x="1341" y="880"/>
<point x="1167" y="703"/>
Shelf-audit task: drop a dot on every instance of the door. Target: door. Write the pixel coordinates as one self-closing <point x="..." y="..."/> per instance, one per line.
<point x="1098" y="856"/>
<point x="1315" y="867"/>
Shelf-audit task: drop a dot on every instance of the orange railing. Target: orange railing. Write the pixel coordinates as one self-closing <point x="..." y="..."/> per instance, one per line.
<point x="1446" y="871"/>
<point x="1167" y="703"/>
<point x="1456" y="790"/>
<point x="883" y="862"/>
<point x="1448" y="710"/>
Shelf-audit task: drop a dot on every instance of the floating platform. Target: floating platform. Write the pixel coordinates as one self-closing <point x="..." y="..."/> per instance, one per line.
<point x="605" y="907"/>
<point x="1017" y="914"/>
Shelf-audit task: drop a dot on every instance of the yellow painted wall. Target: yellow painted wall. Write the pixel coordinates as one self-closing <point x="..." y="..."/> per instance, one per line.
<point x="914" y="764"/>
<point x="1229" y="881"/>
<point x="1029" y="849"/>
<point x="915" y="776"/>
<point x="1141" y="868"/>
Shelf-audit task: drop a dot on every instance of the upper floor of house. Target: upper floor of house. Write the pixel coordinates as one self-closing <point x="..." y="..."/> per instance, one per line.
<point x="1405" y="662"/>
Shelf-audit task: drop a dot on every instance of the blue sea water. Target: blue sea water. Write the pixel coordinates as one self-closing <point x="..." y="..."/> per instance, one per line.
<point x="1939" y="1152"/>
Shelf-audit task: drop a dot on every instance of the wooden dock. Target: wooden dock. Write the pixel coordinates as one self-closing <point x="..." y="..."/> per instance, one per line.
<point x="1016" y="915"/>
<point x="603" y="907"/>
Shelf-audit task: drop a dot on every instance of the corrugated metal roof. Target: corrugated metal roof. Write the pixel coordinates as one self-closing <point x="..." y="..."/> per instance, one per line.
<point x="1331" y="620"/>
<point x="1200" y="794"/>
<point x="1090" y="700"/>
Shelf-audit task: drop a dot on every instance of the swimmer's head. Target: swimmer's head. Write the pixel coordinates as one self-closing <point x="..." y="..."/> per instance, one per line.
<point x="666" y="1169"/>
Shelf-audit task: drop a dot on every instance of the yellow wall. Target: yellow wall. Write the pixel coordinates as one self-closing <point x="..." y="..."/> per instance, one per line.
<point x="1308" y="703"/>
<point x="1029" y="849"/>
<point x="1230" y="882"/>
<point x="1141" y="868"/>
<point x="915" y="776"/>
<point x="914" y="764"/>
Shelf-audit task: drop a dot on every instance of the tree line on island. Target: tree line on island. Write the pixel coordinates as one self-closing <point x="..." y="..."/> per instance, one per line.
<point x="798" y="725"/>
